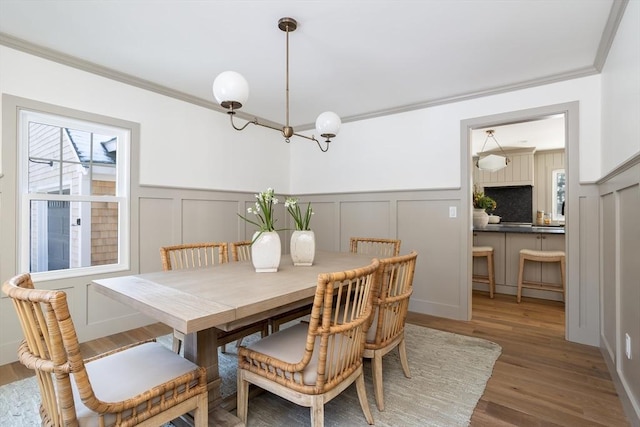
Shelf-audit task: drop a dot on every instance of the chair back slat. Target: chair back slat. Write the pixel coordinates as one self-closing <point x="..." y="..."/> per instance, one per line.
<point x="376" y="247"/>
<point x="241" y="251"/>
<point x="193" y="255"/>
<point x="395" y="286"/>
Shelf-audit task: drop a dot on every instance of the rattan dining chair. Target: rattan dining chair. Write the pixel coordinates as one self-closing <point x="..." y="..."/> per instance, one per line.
<point x="143" y="384"/>
<point x="193" y="255"/>
<point x="390" y="307"/>
<point x="311" y="363"/>
<point x="241" y="251"/>
<point x="376" y="247"/>
<point x="201" y="255"/>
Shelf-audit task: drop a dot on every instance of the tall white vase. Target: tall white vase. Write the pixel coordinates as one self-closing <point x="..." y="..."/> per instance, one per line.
<point x="303" y="247"/>
<point x="266" y="252"/>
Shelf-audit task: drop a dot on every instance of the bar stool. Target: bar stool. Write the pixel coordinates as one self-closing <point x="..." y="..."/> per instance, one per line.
<point x="542" y="256"/>
<point x="490" y="279"/>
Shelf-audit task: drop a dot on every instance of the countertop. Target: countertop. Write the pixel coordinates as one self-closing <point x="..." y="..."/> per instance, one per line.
<point x="522" y="228"/>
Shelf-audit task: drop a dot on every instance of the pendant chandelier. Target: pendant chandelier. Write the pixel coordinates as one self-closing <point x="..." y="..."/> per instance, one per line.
<point x="491" y="162"/>
<point x="231" y="90"/>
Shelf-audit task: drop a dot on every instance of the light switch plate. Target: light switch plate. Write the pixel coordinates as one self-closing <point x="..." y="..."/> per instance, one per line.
<point x="453" y="212"/>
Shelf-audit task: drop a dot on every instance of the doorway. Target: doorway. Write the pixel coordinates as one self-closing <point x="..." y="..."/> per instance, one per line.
<point x="570" y="114"/>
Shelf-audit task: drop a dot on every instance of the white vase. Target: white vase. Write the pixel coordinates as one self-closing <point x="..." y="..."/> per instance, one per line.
<point x="266" y="251"/>
<point x="480" y="218"/>
<point x="303" y="247"/>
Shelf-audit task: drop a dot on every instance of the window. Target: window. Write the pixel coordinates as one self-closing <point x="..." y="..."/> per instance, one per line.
<point x="558" y="185"/>
<point x="73" y="186"/>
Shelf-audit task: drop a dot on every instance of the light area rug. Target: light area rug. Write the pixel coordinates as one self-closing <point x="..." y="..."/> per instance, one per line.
<point x="449" y="373"/>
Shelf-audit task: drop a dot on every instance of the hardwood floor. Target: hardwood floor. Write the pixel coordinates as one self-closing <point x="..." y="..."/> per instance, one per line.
<point x="539" y="379"/>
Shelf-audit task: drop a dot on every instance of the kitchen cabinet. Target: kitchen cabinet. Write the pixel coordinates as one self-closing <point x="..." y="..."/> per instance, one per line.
<point x="545" y="272"/>
<point x="519" y="171"/>
<point x="497" y="242"/>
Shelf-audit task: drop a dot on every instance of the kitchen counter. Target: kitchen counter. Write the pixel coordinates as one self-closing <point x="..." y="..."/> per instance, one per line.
<point x="522" y="228"/>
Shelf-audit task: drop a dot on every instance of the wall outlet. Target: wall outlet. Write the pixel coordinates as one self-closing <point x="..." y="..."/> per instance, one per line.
<point x="453" y="212"/>
<point x="627" y="346"/>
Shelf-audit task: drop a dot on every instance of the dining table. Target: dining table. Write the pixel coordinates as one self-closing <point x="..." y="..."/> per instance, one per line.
<point x="200" y="302"/>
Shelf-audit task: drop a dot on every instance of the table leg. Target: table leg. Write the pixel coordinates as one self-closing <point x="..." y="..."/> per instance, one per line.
<point x="202" y="349"/>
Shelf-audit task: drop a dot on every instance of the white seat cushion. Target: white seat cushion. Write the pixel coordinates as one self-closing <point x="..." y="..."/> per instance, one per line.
<point x="542" y="254"/>
<point x="478" y="249"/>
<point x="288" y="345"/>
<point x="128" y="373"/>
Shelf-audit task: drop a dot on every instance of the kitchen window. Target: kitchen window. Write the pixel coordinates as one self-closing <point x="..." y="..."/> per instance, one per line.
<point x="73" y="185"/>
<point x="559" y="181"/>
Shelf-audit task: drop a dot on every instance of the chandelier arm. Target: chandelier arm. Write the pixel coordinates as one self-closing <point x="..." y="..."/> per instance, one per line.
<point x="250" y="122"/>
<point x="324" y="150"/>
<point x="264" y="125"/>
<point x="313" y="138"/>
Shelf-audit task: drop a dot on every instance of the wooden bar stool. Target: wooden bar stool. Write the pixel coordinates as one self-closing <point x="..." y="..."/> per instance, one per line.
<point x="542" y="256"/>
<point x="490" y="279"/>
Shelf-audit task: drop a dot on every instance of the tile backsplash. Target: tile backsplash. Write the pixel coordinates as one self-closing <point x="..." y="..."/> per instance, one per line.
<point x="514" y="204"/>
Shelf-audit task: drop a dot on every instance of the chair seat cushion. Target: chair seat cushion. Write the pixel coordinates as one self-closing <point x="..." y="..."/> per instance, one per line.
<point x="125" y="374"/>
<point x="288" y="346"/>
<point x="477" y="249"/>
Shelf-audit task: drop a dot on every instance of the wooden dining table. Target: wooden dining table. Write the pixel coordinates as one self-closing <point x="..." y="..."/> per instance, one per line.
<point x="199" y="302"/>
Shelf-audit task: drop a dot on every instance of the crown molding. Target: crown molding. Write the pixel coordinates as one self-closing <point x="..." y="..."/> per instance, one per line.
<point x="609" y="33"/>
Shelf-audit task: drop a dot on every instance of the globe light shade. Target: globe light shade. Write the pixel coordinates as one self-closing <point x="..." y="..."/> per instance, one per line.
<point x="492" y="163"/>
<point x="328" y="124"/>
<point x="230" y="89"/>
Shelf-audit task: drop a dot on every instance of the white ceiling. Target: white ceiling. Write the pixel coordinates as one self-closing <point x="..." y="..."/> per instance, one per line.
<point x="355" y="57"/>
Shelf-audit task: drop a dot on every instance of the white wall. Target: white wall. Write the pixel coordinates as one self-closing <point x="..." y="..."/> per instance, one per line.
<point x="621" y="93"/>
<point x="421" y="149"/>
<point x="189" y="146"/>
<point x="182" y="144"/>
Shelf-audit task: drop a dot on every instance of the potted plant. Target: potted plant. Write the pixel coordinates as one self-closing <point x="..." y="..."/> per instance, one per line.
<point x="265" y="245"/>
<point x="303" y="240"/>
<point x="481" y="204"/>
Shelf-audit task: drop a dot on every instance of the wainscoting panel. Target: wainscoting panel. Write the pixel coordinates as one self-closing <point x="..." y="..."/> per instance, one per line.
<point x="629" y="203"/>
<point x="324" y="224"/>
<point x="424" y="225"/>
<point x="157" y="224"/>
<point x="364" y="219"/>
<point x="209" y="220"/>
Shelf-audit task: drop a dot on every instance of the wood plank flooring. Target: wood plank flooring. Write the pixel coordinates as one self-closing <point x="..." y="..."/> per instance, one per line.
<point x="539" y="380"/>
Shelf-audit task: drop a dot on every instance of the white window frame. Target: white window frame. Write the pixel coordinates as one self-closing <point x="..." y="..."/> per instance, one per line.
<point x="122" y="197"/>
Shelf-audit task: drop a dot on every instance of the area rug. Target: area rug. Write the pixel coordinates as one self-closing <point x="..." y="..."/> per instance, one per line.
<point x="449" y="373"/>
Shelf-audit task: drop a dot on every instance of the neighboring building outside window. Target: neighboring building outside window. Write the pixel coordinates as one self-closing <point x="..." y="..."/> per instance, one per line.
<point x="73" y="185"/>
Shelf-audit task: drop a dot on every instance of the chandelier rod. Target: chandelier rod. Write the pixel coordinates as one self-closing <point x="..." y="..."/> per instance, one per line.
<point x="286" y="124"/>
